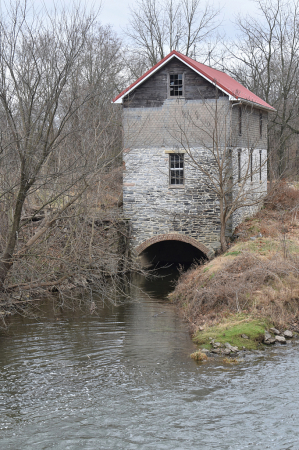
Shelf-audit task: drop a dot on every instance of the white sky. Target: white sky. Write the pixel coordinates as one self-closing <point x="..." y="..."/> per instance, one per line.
<point x="116" y="12"/>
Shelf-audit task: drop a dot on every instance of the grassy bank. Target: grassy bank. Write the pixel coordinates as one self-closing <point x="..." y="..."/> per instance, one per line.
<point x="254" y="285"/>
<point x="233" y="329"/>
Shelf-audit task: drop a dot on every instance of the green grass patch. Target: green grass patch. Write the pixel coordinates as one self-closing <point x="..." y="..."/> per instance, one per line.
<point x="231" y="329"/>
<point x="234" y="253"/>
<point x="263" y="246"/>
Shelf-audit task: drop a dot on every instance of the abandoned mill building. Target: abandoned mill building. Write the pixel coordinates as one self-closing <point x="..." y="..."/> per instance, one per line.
<point x="174" y="117"/>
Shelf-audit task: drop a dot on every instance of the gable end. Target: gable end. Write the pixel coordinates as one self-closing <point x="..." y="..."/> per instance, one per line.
<point x="155" y="90"/>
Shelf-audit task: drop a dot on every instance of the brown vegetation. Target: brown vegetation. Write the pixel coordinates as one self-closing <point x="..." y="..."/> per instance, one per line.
<point x="84" y="250"/>
<point x="259" y="275"/>
<point x="60" y="147"/>
<point x="199" y="356"/>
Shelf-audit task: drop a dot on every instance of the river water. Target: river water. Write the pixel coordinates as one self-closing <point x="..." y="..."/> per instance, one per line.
<point x="123" y="379"/>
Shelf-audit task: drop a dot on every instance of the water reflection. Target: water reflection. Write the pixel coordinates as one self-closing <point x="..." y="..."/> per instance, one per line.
<point x="161" y="282"/>
<point x="122" y="379"/>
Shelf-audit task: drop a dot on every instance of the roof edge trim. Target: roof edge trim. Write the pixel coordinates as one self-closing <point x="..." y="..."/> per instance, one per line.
<point x="252" y="103"/>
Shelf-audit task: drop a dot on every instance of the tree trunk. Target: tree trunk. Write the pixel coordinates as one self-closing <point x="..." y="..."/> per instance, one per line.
<point x="222" y="236"/>
<point x="7" y="257"/>
<point x="223" y="225"/>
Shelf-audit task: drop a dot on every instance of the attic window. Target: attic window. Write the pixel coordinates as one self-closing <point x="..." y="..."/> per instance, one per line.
<point x="176" y="85"/>
<point x="176" y="168"/>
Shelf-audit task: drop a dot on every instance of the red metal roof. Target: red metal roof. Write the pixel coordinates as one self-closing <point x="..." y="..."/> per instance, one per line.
<point x="224" y="82"/>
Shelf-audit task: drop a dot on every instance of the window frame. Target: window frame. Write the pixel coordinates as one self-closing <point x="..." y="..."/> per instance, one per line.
<point x="168" y="85"/>
<point x="240" y="120"/>
<point x="251" y="164"/>
<point x="261" y="124"/>
<point x="178" y="170"/>
<point x="239" y="164"/>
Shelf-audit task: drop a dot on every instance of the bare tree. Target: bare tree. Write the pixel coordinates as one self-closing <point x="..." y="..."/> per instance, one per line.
<point x="50" y="151"/>
<point x="156" y="28"/>
<point x="266" y="60"/>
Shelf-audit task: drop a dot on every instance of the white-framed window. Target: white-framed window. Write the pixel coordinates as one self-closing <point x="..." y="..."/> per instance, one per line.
<point x="176" y="169"/>
<point x="175" y="85"/>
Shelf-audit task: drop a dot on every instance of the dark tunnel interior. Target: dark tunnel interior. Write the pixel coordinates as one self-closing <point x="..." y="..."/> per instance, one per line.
<point x="171" y="251"/>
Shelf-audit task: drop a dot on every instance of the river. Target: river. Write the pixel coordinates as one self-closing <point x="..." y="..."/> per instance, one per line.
<point x="122" y="379"/>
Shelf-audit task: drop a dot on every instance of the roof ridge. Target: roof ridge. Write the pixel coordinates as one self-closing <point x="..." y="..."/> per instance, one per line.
<point x="230" y="86"/>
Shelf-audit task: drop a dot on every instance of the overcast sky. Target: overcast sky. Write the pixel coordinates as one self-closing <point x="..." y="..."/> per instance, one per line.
<point x="116" y="12"/>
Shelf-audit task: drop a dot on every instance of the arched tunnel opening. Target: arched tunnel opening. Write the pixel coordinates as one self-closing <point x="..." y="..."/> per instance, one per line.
<point x="171" y="252"/>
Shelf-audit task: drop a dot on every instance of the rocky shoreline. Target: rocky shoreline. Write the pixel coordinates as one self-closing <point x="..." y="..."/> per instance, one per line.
<point x="271" y="337"/>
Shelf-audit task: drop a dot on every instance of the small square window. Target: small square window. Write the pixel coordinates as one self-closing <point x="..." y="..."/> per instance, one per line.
<point x="176" y="169"/>
<point x="176" y="85"/>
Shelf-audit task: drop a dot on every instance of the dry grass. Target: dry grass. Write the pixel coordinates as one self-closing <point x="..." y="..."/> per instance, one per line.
<point x="284" y="196"/>
<point x="279" y="216"/>
<point x="257" y="276"/>
<point x="245" y="283"/>
<point x="230" y="360"/>
<point x="199" y="356"/>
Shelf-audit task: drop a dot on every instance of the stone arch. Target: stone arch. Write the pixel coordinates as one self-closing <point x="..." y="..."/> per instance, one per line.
<point x="175" y="237"/>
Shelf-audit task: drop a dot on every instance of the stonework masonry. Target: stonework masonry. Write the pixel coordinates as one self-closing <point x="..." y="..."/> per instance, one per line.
<point x="253" y="190"/>
<point x="156" y="208"/>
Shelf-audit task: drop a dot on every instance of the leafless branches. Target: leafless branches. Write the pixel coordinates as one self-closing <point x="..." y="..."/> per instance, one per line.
<point x="266" y="60"/>
<point x="156" y="28"/>
<point x="59" y="134"/>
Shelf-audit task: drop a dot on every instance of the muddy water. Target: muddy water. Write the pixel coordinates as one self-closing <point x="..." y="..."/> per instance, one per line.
<point x="122" y="379"/>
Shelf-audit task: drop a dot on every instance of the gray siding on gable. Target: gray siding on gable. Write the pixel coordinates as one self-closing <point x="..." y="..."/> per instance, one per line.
<point x="153" y="91"/>
<point x="177" y="123"/>
<point x="250" y="137"/>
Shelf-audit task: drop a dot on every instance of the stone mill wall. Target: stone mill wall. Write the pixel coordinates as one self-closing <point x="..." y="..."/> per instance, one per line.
<point x="156" y="208"/>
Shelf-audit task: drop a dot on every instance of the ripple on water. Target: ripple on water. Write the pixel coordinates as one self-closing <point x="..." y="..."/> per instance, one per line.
<point x="124" y="380"/>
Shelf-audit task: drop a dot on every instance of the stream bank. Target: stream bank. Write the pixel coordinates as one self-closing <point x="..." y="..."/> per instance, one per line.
<point x="251" y="288"/>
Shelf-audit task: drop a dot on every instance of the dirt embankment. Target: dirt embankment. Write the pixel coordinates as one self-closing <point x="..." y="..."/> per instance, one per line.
<point x="256" y="280"/>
